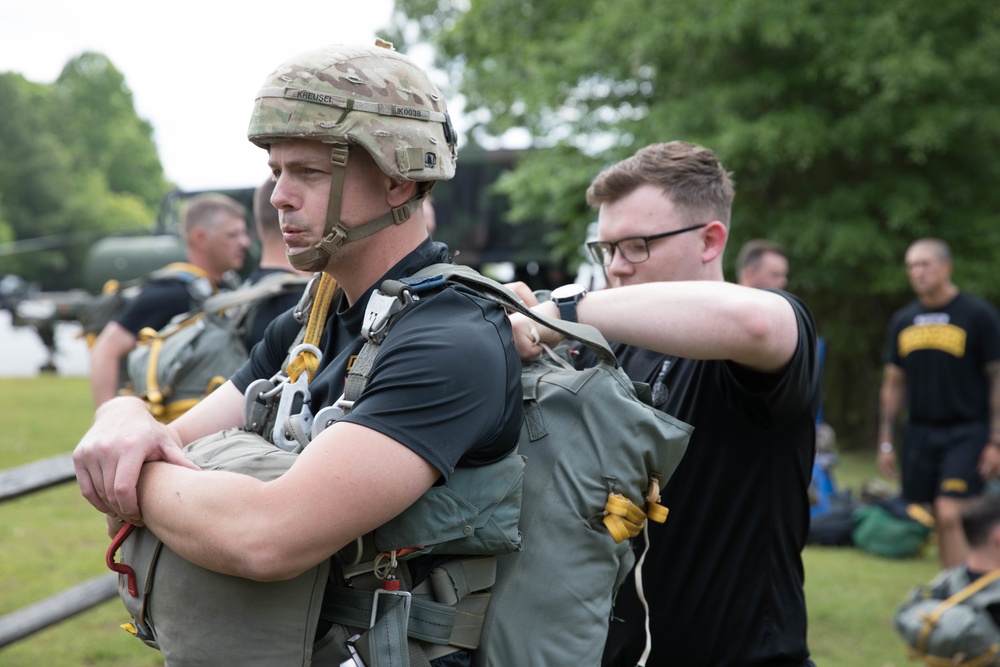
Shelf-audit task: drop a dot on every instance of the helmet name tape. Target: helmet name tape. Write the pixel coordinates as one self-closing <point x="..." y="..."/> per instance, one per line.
<point x="359" y="105"/>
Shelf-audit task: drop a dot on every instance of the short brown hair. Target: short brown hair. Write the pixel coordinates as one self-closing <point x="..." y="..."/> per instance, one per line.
<point x="265" y="216"/>
<point x="202" y="209"/>
<point x="690" y="175"/>
<point x="754" y="250"/>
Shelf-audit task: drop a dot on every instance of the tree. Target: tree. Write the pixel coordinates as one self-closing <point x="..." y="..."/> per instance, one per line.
<point x="95" y="117"/>
<point x="76" y="162"/>
<point x="852" y="128"/>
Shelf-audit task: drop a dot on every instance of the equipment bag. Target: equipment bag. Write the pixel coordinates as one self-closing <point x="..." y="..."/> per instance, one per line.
<point x="596" y="457"/>
<point x="893" y="528"/>
<point x="174" y="368"/>
<point x="947" y="624"/>
<point x="197" y="617"/>
<point x="114" y="296"/>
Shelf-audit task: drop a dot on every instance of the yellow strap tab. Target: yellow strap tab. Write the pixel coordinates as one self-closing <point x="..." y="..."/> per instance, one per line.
<point x="623" y="518"/>
<point x="306" y="360"/>
<point x="129" y="628"/>
<point x="656" y="512"/>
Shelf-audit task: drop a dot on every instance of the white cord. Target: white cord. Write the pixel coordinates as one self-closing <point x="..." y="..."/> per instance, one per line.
<point x="642" y="597"/>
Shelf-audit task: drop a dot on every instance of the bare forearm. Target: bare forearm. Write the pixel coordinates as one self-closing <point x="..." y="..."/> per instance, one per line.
<point x="993" y="373"/>
<point x="698" y="320"/>
<point x="103" y="378"/>
<point x="891" y="397"/>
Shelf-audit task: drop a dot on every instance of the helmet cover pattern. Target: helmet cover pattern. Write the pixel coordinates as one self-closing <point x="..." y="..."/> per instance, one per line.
<point x="370" y="96"/>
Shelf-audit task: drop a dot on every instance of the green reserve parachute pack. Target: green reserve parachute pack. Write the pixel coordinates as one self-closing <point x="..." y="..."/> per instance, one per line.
<point x="947" y="624"/>
<point x="536" y="544"/>
<point x="174" y="368"/>
<point x="115" y="295"/>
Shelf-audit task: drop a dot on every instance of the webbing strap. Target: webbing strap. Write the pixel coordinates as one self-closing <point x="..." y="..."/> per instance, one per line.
<point x="357" y="377"/>
<point x="503" y="296"/>
<point x="387" y="637"/>
<point x="428" y="621"/>
<point x="455" y="579"/>
<point x="306" y="359"/>
<point x="958" y="597"/>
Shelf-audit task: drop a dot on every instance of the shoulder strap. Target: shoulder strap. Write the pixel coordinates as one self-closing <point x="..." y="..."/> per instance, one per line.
<point x="267" y="286"/>
<point x="178" y="270"/>
<point x="494" y="291"/>
<point x="387" y="303"/>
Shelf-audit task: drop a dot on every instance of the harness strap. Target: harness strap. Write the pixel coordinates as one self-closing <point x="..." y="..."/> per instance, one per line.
<point x="306" y="360"/>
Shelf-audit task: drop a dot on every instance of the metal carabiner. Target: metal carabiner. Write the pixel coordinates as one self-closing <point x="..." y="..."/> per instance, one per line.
<point x="381" y="308"/>
<point x="293" y="415"/>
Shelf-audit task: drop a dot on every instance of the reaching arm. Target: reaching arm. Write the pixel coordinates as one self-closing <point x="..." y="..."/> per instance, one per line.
<point x="111" y="346"/>
<point x="347" y="482"/>
<point x="124" y="436"/>
<point x="691" y="319"/>
<point x="891" y="397"/>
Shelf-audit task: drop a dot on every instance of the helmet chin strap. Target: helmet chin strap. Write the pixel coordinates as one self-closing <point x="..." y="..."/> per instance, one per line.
<point x="335" y="232"/>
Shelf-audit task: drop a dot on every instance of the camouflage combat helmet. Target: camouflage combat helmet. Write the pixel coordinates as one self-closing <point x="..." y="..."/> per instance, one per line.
<point x="370" y="96"/>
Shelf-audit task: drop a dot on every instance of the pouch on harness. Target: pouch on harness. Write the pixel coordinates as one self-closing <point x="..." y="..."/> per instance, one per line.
<point x="115" y="296"/>
<point x="174" y="368"/>
<point x="947" y="623"/>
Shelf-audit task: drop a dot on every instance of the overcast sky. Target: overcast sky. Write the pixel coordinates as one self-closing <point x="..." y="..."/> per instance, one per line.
<point x="193" y="67"/>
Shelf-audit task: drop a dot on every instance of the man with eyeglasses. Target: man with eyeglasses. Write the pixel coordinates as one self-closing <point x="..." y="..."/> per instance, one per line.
<point x="723" y="576"/>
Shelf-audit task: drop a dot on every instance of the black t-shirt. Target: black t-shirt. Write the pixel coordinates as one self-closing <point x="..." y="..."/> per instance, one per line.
<point x="724" y="575"/>
<point x="446" y="382"/>
<point x="159" y="301"/>
<point x="267" y="310"/>
<point x="943" y="352"/>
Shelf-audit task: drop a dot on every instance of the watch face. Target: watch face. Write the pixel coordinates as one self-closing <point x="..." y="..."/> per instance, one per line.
<point x="565" y="292"/>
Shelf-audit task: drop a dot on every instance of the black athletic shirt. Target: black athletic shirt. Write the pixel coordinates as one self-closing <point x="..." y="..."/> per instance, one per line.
<point x="943" y="352"/>
<point x="724" y="575"/>
<point x="264" y="312"/>
<point x="158" y="302"/>
<point x="446" y="382"/>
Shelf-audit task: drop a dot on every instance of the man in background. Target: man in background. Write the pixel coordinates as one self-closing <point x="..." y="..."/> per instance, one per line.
<point x="762" y="263"/>
<point x="942" y="364"/>
<point x="273" y="262"/>
<point x="215" y="238"/>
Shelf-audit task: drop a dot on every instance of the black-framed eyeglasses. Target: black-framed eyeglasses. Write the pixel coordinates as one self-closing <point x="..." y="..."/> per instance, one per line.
<point x="634" y="249"/>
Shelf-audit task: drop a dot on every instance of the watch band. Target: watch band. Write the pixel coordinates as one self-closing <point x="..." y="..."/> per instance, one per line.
<point x="567" y="310"/>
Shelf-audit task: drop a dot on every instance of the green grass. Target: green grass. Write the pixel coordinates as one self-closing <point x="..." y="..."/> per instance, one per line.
<point x="54" y="539"/>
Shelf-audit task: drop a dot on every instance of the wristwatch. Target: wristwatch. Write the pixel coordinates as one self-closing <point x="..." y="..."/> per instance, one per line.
<point x="566" y="298"/>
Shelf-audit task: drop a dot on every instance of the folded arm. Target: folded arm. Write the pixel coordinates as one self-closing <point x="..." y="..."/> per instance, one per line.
<point x="348" y="481"/>
<point x="125" y="436"/>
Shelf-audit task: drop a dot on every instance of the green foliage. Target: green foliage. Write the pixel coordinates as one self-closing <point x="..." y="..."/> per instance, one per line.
<point x="852" y="129"/>
<point x="75" y="162"/>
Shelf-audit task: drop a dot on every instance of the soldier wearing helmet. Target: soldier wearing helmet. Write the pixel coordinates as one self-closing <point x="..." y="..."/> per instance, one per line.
<point x="355" y="138"/>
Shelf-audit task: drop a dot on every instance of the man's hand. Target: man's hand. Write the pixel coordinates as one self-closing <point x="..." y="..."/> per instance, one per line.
<point x="886" y="461"/>
<point x="989" y="461"/>
<point x="109" y="457"/>
<point x="528" y="334"/>
<point x="522" y="290"/>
